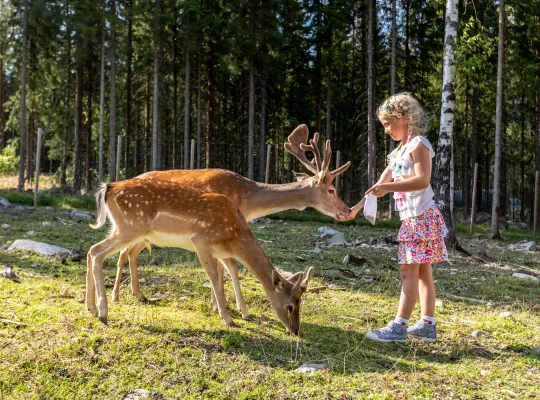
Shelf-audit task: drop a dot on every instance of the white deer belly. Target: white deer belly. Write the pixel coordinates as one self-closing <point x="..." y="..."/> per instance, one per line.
<point x="163" y="239"/>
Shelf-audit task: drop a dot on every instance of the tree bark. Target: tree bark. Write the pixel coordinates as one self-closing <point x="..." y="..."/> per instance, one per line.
<point x="466" y="167"/>
<point x="89" y="121"/>
<point x="129" y="67"/>
<point x="102" y="95"/>
<point x="318" y="63"/>
<point x="186" y="109"/>
<point x="112" y="97"/>
<point x="2" y="124"/>
<point x="22" y="165"/>
<point x="522" y="161"/>
<point x="199" y="114"/>
<point x="393" y="73"/>
<point x="155" y="114"/>
<point x="474" y="138"/>
<point x="495" y="210"/>
<point x="444" y="147"/>
<point x="210" y="106"/>
<point x="262" y="142"/>
<point x="175" y="95"/>
<point x="78" y="118"/>
<point x="372" y="160"/>
<point x="251" y="123"/>
<point x="407" y="38"/>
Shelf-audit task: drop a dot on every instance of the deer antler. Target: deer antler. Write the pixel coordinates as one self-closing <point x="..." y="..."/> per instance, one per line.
<point x="314" y="148"/>
<point x="295" y="140"/>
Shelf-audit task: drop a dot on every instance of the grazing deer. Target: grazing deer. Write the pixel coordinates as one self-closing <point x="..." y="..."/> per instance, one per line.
<point x="168" y="214"/>
<point x="254" y="200"/>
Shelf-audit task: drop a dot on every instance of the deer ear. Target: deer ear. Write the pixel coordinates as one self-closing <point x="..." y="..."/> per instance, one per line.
<point x="277" y="280"/>
<point x="300" y="176"/>
<point x="296" y="277"/>
<point x="305" y="282"/>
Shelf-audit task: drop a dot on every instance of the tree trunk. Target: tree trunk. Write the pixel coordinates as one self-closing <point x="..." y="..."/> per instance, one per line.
<point x="102" y="95"/>
<point x="444" y="148"/>
<point x="112" y="97"/>
<point x="22" y="165"/>
<point x="318" y="62"/>
<point x="495" y="210"/>
<point x="210" y="107"/>
<point x="147" y="124"/>
<point x="129" y="67"/>
<point x="407" y="38"/>
<point x="262" y="142"/>
<point x="186" y="110"/>
<point x="89" y="116"/>
<point x="522" y="160"/>
<point x="251" y="123"/>
<point x="199" y="118"/>
<point x="155" y="114"/>
<point x="372" y="160"/>
<point x="175" y="96"/>
<point x="466" y="167"/>
<point x="474" y="139"/>
<point x="329" y="106"/>
<point x="78" y="118"/>
<point x="393" y="73"/>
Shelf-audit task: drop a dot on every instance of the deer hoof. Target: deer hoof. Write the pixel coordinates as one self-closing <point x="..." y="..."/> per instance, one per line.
<point x="232" y="324"/>
<point x="103" y="320"/>
<point x="142" y="299"/>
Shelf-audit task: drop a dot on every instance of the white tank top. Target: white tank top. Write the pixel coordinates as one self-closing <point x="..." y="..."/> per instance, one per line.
<point x="410" y="204"/>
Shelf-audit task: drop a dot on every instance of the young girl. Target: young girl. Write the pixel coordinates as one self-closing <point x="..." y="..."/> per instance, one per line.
<point x="422" y="231"/>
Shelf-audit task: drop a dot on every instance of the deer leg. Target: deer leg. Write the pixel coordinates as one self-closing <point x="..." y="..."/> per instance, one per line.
<point x="219" y="267"/>
<point x="210" y="265"/>
<point x="119" y="268"/>
<point x="133" y="258"/>
<point x="232" y="267"/>
<point x="99" y="252"/>
<point x="90" y="287"/>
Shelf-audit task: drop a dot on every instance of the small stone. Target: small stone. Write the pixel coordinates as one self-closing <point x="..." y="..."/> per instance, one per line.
<point x="519" y="275"/>
<point x="183" y="298"/>
<point x="439" y="303"/>
<point x="143" y="394"/>
<point x="506" y="314"/>
<point x="30" y="233"/>
<point x="484" y="372"/>
<point x="310" y="369"/>
<point x="81" y="300"/>
<point x="393" y="259"/>
<point x="4" y="202"/>
<point x="317" y="250"/>
<point x="529" y="246"/>
<point x="300" y="259"/>
<point x="6" y="226"/>
<point x="37" y="247"/>
<point x="46" y="223"/>
<point x="80" y="214"/>
<point x="477" y="333"/>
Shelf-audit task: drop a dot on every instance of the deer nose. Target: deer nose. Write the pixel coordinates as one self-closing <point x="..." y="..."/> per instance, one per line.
<point x="296" y="331"/>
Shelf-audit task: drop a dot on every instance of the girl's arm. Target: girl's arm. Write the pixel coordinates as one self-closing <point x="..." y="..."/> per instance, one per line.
<point x="422" y="170"/>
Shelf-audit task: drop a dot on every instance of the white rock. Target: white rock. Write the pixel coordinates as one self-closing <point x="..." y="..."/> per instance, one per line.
<point x="4" y="202"/>
<point x="183" y="298"/>
<point x="332" y="236"/>
<point x="477" y="333"/>
<point x="142" y="394"/>
<point x="30" y="233"/>
<point x="519" y="275"/>
<point x="47" y="223"/>
<point x="439" y="303"/>
<point x="6" y="226"/>
<point x="529" y="246"/>
<point x="506" y="314"/>
<point x="37" y="247"/>
<point x="80" y="214"/>
<point x="310" y="368"/>
<point x="317" y="250"/>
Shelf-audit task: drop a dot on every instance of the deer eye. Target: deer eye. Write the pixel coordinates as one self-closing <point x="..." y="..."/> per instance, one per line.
<point x="289" y="308"/>
<point x="331" y="191"/>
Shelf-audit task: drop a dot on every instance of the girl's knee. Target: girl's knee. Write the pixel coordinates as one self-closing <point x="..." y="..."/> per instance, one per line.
<point x="409" y="271"/>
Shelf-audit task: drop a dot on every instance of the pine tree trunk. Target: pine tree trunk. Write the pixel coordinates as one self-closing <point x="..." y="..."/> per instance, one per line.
<point x="522" y="158"/>
<point x="78" y="118"/>
<point x="262" y="141"/>
<point x="372" y="160"/>
<point x="210" y="106"/>
<point x="393" y="77"/>
<point x="251" y="123"/>
<point x="444" y="148"/>
<point x="318" y="64"/>
<point x="186" y="110"/>
<point x="474" y="139"/>
<point x="495" y="210"/>
<point x="22" y="165"/>
<point x="89" y="115"/>
<point x="102" y="96"/>
<point x="466" y="167"/>
<point x="199" y="114"/>
<point x="112" y="97"/>
<point x="329" y="106"/>
<point x="175" y="96"/>
<point x="129" y="67"/>
<point x="147" y="124"/>
<point x="407" y="39"/>
<point x="155" y="113"/>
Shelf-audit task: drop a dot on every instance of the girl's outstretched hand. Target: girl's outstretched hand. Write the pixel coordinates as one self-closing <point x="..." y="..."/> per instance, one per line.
<point x="356" y="209"/>
<point x="379" y="190"/>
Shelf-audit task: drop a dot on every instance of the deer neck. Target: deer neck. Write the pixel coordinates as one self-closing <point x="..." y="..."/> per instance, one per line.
<point x="269" y="199"/>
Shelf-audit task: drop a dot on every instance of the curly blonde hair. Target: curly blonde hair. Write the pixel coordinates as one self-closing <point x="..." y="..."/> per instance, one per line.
<point x="404" y="105"/>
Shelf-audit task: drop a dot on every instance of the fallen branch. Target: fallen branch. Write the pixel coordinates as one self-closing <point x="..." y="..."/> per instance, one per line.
<point x="317" y="289"/>
<point x="470" y="300"/>
<point x="8" y="321"/>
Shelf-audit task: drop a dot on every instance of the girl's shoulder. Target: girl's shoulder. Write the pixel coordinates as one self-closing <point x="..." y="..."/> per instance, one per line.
<point x="415" y="141"/>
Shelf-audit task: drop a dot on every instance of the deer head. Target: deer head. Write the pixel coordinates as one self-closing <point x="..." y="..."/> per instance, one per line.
<point x="288" y="297"/>
<point x="324" y="196"/>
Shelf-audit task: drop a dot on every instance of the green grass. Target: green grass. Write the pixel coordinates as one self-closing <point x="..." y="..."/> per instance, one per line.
<point x="181" y="349"/>
<point x="67" y="201"/>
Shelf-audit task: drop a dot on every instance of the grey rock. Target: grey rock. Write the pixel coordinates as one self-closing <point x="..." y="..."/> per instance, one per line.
<point x="6" y="226"/>
<point x="310" y="369"/>
<point x="80" y="214"/>
<point x="47" y="223"/>
<point x="477" y="333"/>
<point x="519" y="275"/>
<point x="37" y="247"/>
<point x="4" y="202"/>
<point x="143" y="394"/>
<point x="529" y="246"/>
<point x="506" y="314"/>
<point x="332" y="236"/>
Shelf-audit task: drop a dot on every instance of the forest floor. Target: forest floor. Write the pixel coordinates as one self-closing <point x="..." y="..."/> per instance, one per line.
<point x="177" y="347"/>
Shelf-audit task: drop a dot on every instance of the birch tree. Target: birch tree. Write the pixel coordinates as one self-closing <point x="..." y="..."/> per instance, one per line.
<point x="444" y="159"/>
<point x="494" y="231"/>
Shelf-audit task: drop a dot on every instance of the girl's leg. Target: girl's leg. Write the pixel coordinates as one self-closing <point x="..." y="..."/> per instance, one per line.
<point x="409" y="290"/>
<point x="426" y="287"/>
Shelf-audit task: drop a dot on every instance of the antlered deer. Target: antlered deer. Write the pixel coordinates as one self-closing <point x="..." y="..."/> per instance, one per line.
<point x="169" y="214"/>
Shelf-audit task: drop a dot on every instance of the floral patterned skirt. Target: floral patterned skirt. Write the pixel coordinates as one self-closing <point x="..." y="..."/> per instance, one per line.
<point x="421" y="239"/>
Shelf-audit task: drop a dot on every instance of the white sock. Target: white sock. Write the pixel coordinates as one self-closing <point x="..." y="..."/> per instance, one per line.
<point x="402" y="321"/>
<point x="429" y="320"/>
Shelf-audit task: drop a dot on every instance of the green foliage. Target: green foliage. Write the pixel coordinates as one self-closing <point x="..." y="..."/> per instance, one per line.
<point x="9" y="159"/>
